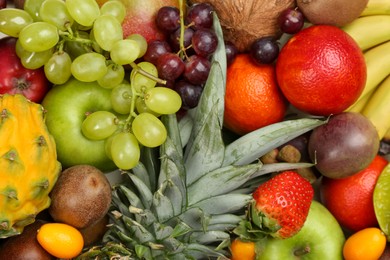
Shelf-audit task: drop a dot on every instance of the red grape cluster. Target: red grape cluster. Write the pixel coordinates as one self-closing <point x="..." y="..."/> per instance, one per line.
<point x="265" y="50"/>
<point x="183" y="60"/>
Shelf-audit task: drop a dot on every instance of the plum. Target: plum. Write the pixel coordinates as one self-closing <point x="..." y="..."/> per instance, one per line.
<point x="343" y="146"/>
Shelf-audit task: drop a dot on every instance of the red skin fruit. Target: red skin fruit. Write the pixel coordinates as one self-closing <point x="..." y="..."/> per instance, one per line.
<point x="285" y="198"/>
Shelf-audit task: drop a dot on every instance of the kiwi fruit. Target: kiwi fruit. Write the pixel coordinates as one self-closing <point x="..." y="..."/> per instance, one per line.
<point x="331" y="12"/>
<point x="25" y="246"/>
<point x="80" y="197"/>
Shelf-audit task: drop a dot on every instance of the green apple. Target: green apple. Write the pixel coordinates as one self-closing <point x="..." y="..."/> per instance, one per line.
<point x="321" y="237"/>
<point x="67" y="106"/>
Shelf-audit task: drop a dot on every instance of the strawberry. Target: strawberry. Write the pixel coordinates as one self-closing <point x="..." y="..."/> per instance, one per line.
<point x="279" y="207"/>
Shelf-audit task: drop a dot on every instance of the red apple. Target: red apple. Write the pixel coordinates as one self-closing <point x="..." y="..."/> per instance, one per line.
<point x="140" y="18"/>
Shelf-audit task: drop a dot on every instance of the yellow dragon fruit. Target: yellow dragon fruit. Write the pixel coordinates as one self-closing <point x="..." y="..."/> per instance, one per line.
<point x="28" y="163"/>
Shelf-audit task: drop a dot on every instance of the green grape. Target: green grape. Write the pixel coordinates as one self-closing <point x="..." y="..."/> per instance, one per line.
<point x="142" y="83"/>
<point x="113" y="77"/>
<point x="32" y="7"/>
<point x="124" y="52"/>
<point x="107" y="146"/>
<point x="57" y="68"/>
<point x="141" y="107"/>
<point x="89" y="67"/>
<point x="125" y="150"/>
<point x="149" y="130"/>
<point x="75" y="48"/>
<point x="107" y="31"/>
<point x="32" y="60"/>
<point x="56" y="13"/>
<point x="163" y="100"/>
<point x="83" y="12"/>
<point x="121" y="97"/>
<point x="13" y="20"/>
<point x="38" y="36"/>
<point x="143" y="44"/>
<point x="114" y="8"/>
<point x="99" y="125"/>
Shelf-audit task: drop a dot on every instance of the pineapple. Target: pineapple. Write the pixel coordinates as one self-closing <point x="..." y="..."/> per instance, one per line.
<point x="183" y="200"/>
<point x="28" y="163"/>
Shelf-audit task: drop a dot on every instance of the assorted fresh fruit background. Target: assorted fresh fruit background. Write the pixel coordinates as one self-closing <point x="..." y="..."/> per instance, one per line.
<point x="204" y="129"/>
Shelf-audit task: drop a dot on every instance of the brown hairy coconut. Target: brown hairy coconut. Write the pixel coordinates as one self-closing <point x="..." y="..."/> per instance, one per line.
<point x="244" y="21"/>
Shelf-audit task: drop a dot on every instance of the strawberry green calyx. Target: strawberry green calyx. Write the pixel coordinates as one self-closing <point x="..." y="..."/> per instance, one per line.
<point x="279" y="208"/>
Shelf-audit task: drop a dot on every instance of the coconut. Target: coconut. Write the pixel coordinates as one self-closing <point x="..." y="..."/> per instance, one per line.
<point x="244" y="21"/>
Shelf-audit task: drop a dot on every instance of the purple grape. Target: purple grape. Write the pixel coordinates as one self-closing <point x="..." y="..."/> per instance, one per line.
<point x="155" y="49"/>
<point x="174" y="38"/>
<point x="264" y="50"/>
<point x="231" y="52"/>
<point x="170" y="66"/>
<point x="168" y="18"/>
<point x="189" y="93"/>
<point x="197" y="69"/>
<point x="291" y="20"/>
<point x="204" y="42"/>
<point x="200" y="16"/>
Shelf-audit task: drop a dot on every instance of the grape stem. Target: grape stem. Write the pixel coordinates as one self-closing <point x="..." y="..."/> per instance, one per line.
<point x="182" y="27"/>
<point x="139" y="70"/>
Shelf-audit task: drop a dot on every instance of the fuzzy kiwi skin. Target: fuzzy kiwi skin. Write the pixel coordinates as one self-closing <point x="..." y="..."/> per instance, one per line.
<point x="331" y="12"/>
<point x="80" y="197"/>
<point x="25" y="246"/>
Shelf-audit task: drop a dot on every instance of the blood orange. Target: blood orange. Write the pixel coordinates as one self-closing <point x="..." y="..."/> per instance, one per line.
<point x="350" y="199"/>
<point x="321" y="70"/>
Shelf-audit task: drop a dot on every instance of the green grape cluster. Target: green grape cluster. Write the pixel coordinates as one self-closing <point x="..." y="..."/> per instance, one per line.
<point x="80" y="39"/>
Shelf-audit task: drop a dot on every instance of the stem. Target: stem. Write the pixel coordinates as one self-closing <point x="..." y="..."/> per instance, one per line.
<point x="147" y="74"/>
<point x="302" y="251"/>
<point x="182" y="28"/>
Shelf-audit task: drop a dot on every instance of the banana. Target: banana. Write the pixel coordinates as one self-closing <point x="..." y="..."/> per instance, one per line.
<point x="386" y="138"/>
<point x="369" y="31"/>
<point x="378" y="66"/>
<point x="359" y="105"/>
<point x="375" y="7"/>
<point x="377" y="108"/>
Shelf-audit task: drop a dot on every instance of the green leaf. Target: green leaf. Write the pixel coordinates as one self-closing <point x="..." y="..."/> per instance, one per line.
<point x="223" y="204"/>
<point x="207" y="151"/>
<point x="221" y="181"/>
<point x="163" y="207"/>
<point x="145" y="194"/>
<point x="252" y="146"/>
<point x="205" y="145"/>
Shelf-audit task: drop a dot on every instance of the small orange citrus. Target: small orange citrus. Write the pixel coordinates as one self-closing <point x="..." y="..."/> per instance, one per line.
<point x="60" y="240"/>
<point x="350" y="199"/>
<point x="321" y="70"/>
<point x="242" y="250"/>
<point x="253" y="98"/>
<point x="366" y="244"/>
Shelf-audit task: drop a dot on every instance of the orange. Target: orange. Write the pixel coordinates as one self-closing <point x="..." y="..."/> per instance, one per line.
<point x="321" y="70"/>
<point x="350" y="199"/>
<point x="60" y="240"/>
<point x="366" y="244"/>
<point x="242" y="250"/>
<point x="253" y="98"/>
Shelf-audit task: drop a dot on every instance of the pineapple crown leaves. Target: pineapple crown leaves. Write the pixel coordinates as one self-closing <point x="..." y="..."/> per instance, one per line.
<point x="182" y="201"/>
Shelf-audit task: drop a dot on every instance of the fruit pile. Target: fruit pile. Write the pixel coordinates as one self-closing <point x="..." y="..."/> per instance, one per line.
<point x="149" y="130"/>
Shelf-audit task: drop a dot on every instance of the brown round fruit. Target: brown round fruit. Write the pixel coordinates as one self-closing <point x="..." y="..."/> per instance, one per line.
<point x="245" y="21"/>
<point x="331" y="12"/>
<point x="25" y="245"/>
<point x="343" y="146"/>
<point x="81" y="196"/>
